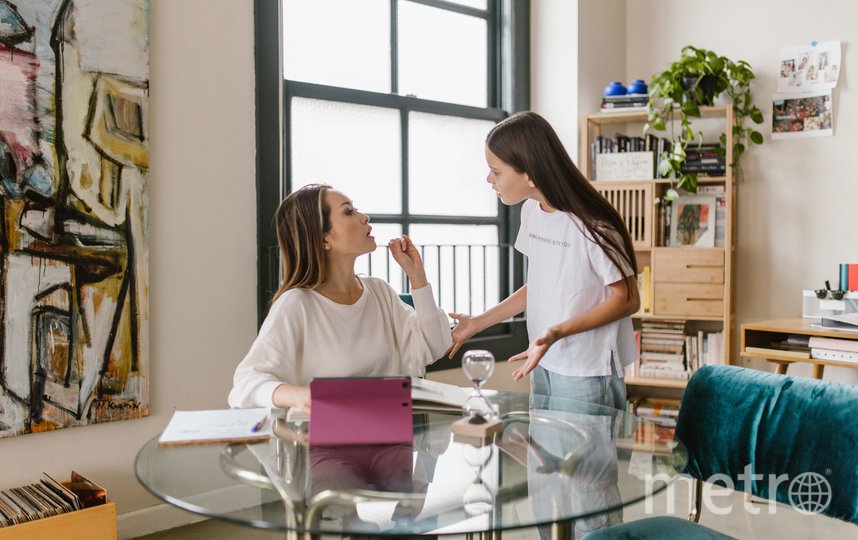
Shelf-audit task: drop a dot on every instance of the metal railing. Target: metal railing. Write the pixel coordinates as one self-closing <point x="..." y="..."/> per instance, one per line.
<point x="466" y="278"/>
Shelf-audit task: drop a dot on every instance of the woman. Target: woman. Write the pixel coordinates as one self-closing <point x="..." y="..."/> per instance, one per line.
<point x="324" y="320"/>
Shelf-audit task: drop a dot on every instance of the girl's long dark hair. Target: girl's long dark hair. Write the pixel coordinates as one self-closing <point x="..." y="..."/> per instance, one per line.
<point x="530" y="145"/>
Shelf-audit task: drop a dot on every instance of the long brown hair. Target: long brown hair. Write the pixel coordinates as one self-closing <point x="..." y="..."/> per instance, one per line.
<point x="528" y="143"/>
<point x="302" y="220"/>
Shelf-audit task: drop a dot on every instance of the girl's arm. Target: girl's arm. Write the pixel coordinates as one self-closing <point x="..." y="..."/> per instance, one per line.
<point x="468" y="325"/>
<point x="623" y="302"/>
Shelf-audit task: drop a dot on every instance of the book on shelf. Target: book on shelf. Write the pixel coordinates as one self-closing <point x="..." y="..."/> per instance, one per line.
<point x="847" y="322"/>
<point x="819" y="342"/>
<point x="771" y="352"/>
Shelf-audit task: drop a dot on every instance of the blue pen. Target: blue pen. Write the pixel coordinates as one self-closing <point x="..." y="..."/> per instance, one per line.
<point x="257" y="426"/>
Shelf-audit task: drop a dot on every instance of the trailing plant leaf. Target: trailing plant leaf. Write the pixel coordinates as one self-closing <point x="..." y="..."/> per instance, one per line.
<point x="695" y="80"/>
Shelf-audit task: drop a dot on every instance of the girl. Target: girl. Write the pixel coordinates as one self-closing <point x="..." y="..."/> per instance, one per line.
<point x="581" y="286"/>
<point x="324" y="320"/>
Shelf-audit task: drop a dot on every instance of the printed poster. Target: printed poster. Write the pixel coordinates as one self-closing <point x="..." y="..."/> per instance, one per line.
<point x="800" y="116"/>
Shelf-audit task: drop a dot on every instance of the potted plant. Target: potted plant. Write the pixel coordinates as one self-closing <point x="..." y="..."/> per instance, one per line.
<point x="696" y="80"/>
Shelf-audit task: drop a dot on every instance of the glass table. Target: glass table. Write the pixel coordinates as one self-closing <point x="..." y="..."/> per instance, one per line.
<point x="556" y="463"/>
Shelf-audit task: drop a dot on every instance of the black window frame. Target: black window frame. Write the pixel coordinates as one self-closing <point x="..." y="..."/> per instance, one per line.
<point x="508" y="91"/>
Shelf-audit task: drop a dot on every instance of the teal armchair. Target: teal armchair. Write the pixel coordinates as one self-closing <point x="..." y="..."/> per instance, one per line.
<point x="754" y="428"/>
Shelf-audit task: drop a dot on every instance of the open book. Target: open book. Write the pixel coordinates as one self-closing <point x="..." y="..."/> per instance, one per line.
<point x="432" y="395"/>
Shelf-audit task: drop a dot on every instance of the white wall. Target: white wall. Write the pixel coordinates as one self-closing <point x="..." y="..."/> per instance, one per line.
<point x="202" y="255"/>
<point x="794" y="205"/>
<point x="793" y="229"/>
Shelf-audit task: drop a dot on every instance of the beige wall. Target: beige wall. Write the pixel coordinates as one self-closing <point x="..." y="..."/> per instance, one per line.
<point x="202" y="256"/>
<point x="793" y="229"/>
<point x="793" y="206"/>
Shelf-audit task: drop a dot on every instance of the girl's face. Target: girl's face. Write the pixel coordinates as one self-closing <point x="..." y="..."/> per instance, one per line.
<point x="511" y="186"/>
<point x="350" y="232"/>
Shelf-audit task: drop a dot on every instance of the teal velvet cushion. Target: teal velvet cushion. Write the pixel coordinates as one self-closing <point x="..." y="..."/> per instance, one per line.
<point x="407" y="298"/>
<point x="661" y="528"/>
<point x="733" y="417"/>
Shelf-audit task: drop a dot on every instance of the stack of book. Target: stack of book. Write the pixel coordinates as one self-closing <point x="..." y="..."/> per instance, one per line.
<point x="626" y="103"/>
<point x="702" y="349"/>
<point x="663" y="412"/>
<point x="48" y="498"/>
<point x="825" y="348"/>
<point x="624" y="143"/>
<point x="704" y="160"/>
<point x="662" y="350"/>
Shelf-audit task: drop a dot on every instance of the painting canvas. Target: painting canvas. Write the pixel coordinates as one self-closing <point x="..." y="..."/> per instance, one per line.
<point x="692" y="221"/>
<point x="74" y="160"/>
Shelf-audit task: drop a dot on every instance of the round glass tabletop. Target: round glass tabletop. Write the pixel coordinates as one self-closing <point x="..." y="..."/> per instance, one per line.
<point x="552" y="460"/>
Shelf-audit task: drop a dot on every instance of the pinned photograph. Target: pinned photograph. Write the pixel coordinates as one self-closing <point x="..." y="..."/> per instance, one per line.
<point x="809" y="68"/>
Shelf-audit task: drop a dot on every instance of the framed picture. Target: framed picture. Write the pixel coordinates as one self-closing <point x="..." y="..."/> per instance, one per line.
<point x="692" y="221"/>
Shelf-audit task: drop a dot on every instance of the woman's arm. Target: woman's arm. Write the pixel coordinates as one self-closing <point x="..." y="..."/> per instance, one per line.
<point x="468" y="326"/>
<point x="287" y="395"/>
<point x="623" y="302"/>
<point x="271" y="361"/>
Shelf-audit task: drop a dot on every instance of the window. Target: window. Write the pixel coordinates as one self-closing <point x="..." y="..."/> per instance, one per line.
<point x="390" y="102"/>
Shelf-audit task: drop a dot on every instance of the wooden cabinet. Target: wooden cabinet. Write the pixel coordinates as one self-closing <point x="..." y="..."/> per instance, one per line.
<point x="690" y="283"/>
<point x="96" y="523"/>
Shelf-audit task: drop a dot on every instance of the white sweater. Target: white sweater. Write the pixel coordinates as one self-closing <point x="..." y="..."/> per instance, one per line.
<point x="307" y="335"/>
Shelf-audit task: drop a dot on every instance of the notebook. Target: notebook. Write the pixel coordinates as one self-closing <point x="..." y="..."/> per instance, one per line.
<point x="360" y="410"/>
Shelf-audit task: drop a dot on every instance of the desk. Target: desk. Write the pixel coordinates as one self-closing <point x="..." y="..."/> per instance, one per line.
<point x="552" y="462"/>
<point x="759" y="336"/>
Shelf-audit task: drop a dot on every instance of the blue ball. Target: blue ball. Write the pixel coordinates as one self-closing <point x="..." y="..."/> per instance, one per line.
<point x="637" y="86"/>
<point x="615" y="88"/>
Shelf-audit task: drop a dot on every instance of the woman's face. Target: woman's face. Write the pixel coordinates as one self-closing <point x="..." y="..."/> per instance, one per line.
<point x="350" y="232"/>
<point x="511" y="186"/>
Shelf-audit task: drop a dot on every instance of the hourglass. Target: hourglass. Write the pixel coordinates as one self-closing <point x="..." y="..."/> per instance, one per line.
<point x="478" y="366"/>
<point x="477" y="498"/>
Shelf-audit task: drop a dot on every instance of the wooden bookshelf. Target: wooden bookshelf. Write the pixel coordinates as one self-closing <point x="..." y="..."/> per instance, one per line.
<point x="95" y="523"/>
<point x="694" y="284"/>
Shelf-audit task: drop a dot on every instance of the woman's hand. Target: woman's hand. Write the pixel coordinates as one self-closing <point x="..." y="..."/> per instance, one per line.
<point x="407" y="256"/>
<point x="288" y="396"/>
<point x="534" y="353"/>
<point x="466" y="327"/>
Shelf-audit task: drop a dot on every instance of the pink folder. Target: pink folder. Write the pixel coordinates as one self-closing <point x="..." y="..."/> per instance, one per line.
<point x="351" y="410"/>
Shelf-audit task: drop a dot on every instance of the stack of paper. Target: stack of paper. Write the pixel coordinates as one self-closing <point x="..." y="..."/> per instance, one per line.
<point x="219" y="426"/>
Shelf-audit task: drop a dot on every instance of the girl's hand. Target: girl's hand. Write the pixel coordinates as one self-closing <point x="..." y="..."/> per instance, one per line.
<point x="533" y="354"/>
<point x="466" y="327"/>
<point x="407" y="256"/>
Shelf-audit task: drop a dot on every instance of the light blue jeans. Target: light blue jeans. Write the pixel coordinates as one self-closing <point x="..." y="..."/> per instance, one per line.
<point x="606" y="390"/>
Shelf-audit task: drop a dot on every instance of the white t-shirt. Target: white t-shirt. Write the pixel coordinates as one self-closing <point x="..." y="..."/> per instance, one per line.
<point x="568" y="274"/>
<point x="307" y="335"/>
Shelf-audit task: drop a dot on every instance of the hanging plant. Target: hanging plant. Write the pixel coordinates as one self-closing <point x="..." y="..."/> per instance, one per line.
<point x="697" y="79"/>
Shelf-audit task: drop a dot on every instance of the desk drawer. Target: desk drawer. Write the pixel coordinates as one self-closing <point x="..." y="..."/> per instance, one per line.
<point x="689" y="266"/>
<point x="689" y="299"/>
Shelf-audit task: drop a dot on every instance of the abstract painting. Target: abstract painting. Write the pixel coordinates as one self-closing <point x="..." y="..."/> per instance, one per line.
<point x="74" y="161"/>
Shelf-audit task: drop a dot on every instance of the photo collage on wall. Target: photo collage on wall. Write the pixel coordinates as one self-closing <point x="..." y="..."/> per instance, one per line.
<point x="803" y="105"/>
